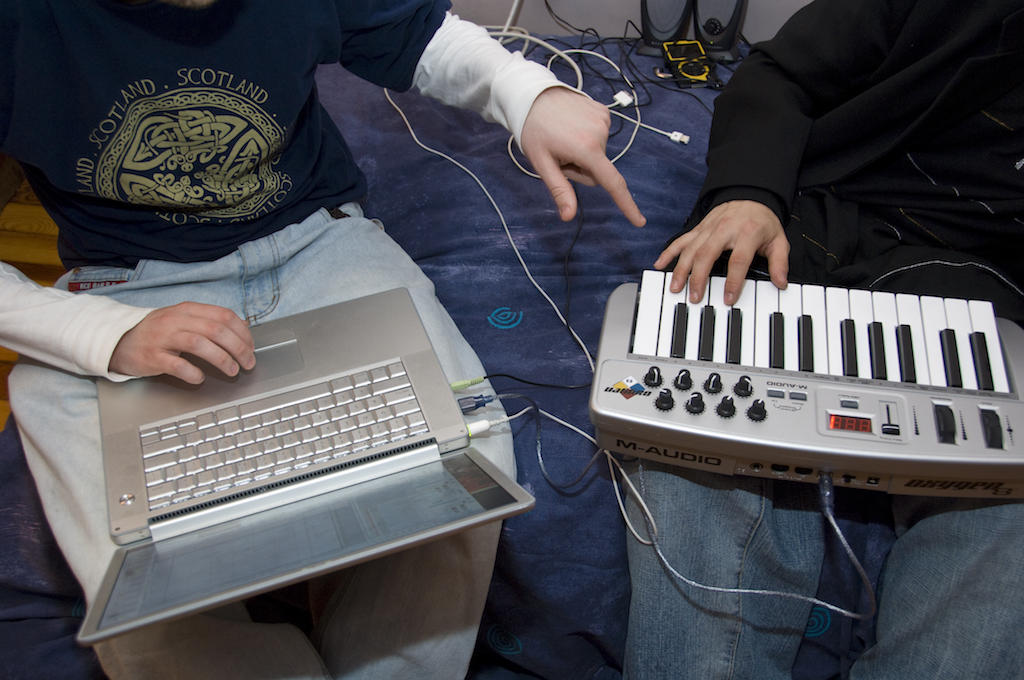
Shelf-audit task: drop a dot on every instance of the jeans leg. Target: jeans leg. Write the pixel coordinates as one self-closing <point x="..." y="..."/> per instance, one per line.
<point x="952" y="593"/>
<point x="314" y="263"/>
<point x="727" y="532"/>
<point x="414" y="613"/>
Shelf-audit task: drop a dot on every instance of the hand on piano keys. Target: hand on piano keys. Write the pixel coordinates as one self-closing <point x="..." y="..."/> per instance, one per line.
<point x="744" y="227"/>
<point x="943" y="342"/>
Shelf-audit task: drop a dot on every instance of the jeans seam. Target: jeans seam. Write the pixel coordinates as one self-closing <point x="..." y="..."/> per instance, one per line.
<point x="739" y="580"/>
<point x="272" y="272"/>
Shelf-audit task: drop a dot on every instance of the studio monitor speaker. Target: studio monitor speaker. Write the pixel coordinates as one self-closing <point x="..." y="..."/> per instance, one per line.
<point x="716" y="23"/>
<point x="663" y="21"/>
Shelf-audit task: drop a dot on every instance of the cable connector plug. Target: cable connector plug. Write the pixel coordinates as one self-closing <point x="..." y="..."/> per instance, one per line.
<point x="463" y="384"/>
<point x="623" y="98"/>
<point x="679" y="137"/>
<point x="478" y="427"/>
<point x="468" y="404"/>
<point x="826" y="492"/>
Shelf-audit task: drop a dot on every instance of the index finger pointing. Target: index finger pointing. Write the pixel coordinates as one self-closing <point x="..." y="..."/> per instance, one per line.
<point x="615" y="184"/>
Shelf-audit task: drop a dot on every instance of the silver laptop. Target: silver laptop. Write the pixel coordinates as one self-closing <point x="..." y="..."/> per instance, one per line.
<point x="344" y="443"/>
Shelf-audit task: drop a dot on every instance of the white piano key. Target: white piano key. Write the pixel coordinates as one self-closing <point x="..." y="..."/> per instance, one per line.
<point x="933" y="320"/>
<point x="814" y="306"/>
<point x="746" y="303"/>
<point x="716" y="293"/>
<point x="863" y="314"/>
<point x="958" y="317"/>
<point x="983" y="319"/>
<point x="837" y="309"/>
<point x="908" y="311"/>
<point x="791" y="306"/>
<point x="693" y="325"/>
<point x="765" y="303"/>
<point x="648" y="312"/>
<point x="669" y="300"/>
<point x="884" y="305"/>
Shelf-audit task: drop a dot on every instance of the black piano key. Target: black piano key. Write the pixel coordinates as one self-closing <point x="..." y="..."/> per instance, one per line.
<point x="848" y="339"/>
<point x="950" y="357"/>
<point x="982" y="365"/>
<point x="805" y="342"/>
<point x="776" y="340"/>
<point x="734" y="335"/>
<point x="876" y="346"/>
<point x="679" y="319"/>
<point x="706" y="348"/>
<point x="905" y="347"/>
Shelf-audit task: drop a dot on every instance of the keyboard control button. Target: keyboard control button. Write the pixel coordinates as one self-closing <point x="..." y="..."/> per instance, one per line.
<point x="757" y="411"/>
<point x="726" y="408"/>
<point x="945" y="424"/>
<point x="683" y="382"/>
<point x="991" y="428"/>
<point x="743" y="387"/>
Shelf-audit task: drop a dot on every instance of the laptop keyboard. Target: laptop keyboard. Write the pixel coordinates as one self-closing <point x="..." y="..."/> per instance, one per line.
<point x="271" y="437"/>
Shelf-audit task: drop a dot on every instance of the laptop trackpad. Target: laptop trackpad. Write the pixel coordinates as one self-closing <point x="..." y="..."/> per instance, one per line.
<point x="275" y="357"/>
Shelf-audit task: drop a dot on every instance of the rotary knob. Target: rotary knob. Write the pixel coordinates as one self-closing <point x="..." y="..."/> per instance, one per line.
<point x="653" y="377"/>
<point x="695" y="404"/>
<point x="713" y="385"/>
<point x="757" y="412"/>
<point x="683" y="381"/>
<point x="726" y="408"/>
<point x="743" y="387"/>
<point x="664" y="401"/>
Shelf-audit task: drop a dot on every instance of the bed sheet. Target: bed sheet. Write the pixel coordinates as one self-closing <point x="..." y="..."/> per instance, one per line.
<point x="559" y="597"/>
<point x="560" y="592"/>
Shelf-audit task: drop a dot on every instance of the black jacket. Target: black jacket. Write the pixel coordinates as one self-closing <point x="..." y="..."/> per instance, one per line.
<point x="833" y="102"/>
<point x="846" y="81"/>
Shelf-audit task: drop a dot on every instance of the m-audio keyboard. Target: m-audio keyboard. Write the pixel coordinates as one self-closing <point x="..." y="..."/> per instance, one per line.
<point x="895" y="392"/>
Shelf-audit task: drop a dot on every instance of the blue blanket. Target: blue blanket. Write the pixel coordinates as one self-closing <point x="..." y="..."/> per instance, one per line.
<point x="559" y="597"/>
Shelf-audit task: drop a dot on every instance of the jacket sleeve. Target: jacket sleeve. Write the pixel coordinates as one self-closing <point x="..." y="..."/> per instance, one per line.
<point x="825" y="54"/>
<point x="463" y="66"/>
<point x="72" y="332"/>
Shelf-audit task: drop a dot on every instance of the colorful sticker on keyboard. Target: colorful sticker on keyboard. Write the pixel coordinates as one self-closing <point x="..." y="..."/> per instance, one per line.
<point x="628" y="387"/>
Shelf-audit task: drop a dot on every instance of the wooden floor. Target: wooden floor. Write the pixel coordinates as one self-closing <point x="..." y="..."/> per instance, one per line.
<point x="28" y="240"/>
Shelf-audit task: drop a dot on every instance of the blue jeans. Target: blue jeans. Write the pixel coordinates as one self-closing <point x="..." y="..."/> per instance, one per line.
<point x="951" y="597"/>
<point x="413" y="614"/>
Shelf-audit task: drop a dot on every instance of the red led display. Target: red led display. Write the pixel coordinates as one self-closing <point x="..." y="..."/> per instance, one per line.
<point x="849" y="423"/>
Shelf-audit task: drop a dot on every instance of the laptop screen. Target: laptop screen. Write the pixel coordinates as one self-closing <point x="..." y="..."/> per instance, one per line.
<point x="251" y="554"/>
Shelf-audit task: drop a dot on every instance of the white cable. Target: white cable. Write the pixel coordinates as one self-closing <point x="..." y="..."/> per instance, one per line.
<point x="513" y="14"/>
<point x="569" y="426"/>
<point x="653" y="541"/>
<point x="612" y="464"/>
<point x="504" y="224"/>
<point x="483" y="425"/>
<point x="519" y="414"/>
<point x="675" y="135"/>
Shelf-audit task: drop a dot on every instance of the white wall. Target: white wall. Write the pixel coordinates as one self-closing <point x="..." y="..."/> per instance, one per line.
<point x="609" y="17"/>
